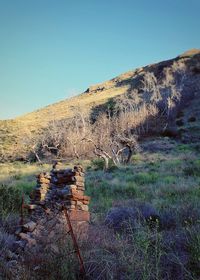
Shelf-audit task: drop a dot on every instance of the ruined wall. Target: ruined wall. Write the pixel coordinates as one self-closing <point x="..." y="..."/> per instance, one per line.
<point x="46" y="222"/>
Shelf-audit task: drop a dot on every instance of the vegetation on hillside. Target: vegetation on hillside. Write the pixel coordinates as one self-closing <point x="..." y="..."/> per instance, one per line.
<point x="159" y="90"/>
<point x="165" y="182"/>
<point x="143" y="129"/>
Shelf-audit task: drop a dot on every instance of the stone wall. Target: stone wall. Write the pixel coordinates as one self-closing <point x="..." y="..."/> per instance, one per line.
<point x="46" y="222"/>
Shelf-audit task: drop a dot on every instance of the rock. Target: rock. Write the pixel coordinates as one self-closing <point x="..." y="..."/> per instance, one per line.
<point x="47" y="211"/>
<point x="30" y="226"/>
<point x="81" y="185"/>
<point x="30" y="206"/>
<point x="18" y="230"/>
<point x="71" y="187"/>
<point x="76" y="215"/>
<point x="54" y="248"/>
<point x="51" y="234"/>
<point x="78" y="168"/>
<point x="64" y="193"/>
<point x="82" y="207"/>
<point x="44" y="180"/>
<point x="79" y="179"/>
<point x="18" y="245"/>
<point x="64" y="187"/>
<point x="70" y="202"/>
<point x="27" y="238"/>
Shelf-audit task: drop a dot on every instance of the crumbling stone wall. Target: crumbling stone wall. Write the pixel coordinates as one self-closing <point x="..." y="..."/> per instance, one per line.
<point x="46" y="222"/>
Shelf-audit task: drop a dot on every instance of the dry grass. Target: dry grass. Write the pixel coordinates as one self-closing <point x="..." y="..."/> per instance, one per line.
<point x="11" y="130"/>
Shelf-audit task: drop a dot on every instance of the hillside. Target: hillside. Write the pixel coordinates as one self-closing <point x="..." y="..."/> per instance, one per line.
<point x="144" y="213"/>
<point x="97" y="96"/>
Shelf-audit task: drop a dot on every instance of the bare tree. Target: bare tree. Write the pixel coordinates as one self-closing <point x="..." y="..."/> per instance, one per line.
<point x="165" y="94"/>
<point x="173" y="84"/>
<point x="52" y="137"/>
<point x="113" y="138"/>
<point x="31" y="143"/>
<point x="150" y="88"/>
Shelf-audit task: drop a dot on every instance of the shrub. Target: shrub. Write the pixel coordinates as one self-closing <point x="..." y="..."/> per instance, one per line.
<point x="193" y="169"/>
<point x="184" y="148"/>
<point x="6" y="240"/>
<point x="169" y="179"/>
<point x="128" y="190"/>
<point x="136" y="158"/>
<point x="168" y="219"/>
<point x="194" y="248"/>
<point x="97" y="164"/>
<point x="123" y="218"/>
<point x="10" y="199"/>
<point x="146" y="178"/>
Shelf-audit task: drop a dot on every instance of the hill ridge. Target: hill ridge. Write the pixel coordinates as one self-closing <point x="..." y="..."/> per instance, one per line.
<point x="95" y="97"/>
<point x="109" y="84"/>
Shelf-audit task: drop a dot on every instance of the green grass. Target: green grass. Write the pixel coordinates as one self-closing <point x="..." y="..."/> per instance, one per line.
<point x="17" y="179"/>
<point x="169" y="182"/>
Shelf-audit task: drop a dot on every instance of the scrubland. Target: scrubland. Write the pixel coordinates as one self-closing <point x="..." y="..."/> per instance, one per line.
<point x="165" y="181"/>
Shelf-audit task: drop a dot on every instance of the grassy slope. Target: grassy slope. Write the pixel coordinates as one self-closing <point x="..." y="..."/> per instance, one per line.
<point x="11" y="130"/>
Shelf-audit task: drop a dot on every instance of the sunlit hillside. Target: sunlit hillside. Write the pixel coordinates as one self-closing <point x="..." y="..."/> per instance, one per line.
<point x="94" y="97"/>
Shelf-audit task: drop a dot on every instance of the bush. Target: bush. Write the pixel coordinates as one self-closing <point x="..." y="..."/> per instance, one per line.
<point x="136" y="158"/>
<point x="184" y="148"/>
<point x="194" y="249"/>
<point x="169" y="179"/>
<point x="10" y="199"/>
<point x="97" y="164"/>
<point x="126" y="218"/>
<point x="143" y="178"/>
<point x="193" y="169"/>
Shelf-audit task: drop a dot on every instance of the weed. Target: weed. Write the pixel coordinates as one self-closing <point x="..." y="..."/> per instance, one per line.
<point x="146" y="178"/>
<point x="97" y="164"/>
<point x="184" y="148"/>
<point x="136" y="158"/>
<point x="194" y="248"/>
<point x="10" y="199"/>
<point x="193" y="168"/>
<point x="169" y="179"/>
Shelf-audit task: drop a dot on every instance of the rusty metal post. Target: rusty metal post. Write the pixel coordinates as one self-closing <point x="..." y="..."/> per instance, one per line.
<point x="76" y="247"/>
<point x="22" y="210"/>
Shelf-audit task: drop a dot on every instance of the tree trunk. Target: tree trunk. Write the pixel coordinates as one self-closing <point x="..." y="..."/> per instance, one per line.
<point x="37" y="157"/>
<point x="130" y="152"/>
<point x="106" y="162"/>
<point x="75" y="152"/>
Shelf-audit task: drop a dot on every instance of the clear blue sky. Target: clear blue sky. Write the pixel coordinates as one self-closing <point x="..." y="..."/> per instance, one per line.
<point x="53" y="49"/>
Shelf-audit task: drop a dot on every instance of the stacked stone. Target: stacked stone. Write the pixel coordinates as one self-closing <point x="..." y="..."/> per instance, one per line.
<point x="62" y="187"/>
<point x="40" y="193"/>
<point x="70" y="187"/>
